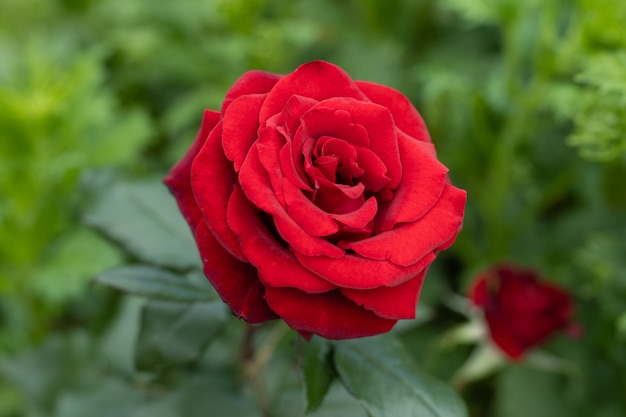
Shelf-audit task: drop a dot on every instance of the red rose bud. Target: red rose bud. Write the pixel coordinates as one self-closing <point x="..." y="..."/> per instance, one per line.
<point x="318" y="200"/>
<point x="521" y="311"/>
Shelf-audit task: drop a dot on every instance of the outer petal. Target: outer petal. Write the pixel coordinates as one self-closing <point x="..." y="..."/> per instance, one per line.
<point x="317" y="80"/>
<point x="408" y="243"/>
<point x="255" y="184"/>
<point x="353" y="271"/>
<point x="236" y="282"/>
<point x="396" y="303"/>
<point x="276" y="265"/>
<point x="251" y="82"/>
<point x="329" y="315"/>
<point x="212" y="179"/>
<point x="240" y="126"/>
<point x="499" y="328"/>
<point x="479" y="293"/>
<point x="421" y="186"/>
<point x="179" y="178"/>
<point x="405" y="115"/>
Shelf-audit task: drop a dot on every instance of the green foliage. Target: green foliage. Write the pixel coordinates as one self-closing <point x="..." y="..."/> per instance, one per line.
<point x="601" y="123"/>
<point x="57" y="119"/>
<point x="175" y="333"/>
<point x="151" y="227"/>
<point x="524" y="101"/>
<point x="155" y="283"/>
<point x="318" y="371"/>
<point x="381" y="373"/>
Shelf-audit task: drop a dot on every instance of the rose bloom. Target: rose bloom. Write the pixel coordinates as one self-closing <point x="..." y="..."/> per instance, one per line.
<point x="318" y="200"/>
<point x="521" y="309"/>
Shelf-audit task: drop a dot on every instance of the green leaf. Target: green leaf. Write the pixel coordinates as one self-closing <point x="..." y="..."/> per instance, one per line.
<point x="382" y="375"/>
<point x="143" y="217"/>
<point x="109" y="397"/>
<point x="318" y="371"/>
<point x="201" y="396"/>
<point x="174" y="333"/>
<point x="339" y="402"/>
<point x="154" y="283"/>
<point x="78" y="256"/>
<point x="118" y="343"/>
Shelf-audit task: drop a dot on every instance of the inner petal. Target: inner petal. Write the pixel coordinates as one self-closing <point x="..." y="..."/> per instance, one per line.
<point x="348" y="169"/>
<point x="327" y="165"/>
<point x="321" y="121"/>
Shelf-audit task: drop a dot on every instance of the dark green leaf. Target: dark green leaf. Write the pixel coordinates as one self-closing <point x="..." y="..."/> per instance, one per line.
<point x="144" y="218"/>
<point x="154" y="283"/>
<point x="380" y="373"/>
<point x="176" y="333"/>
<point x="318" y="371"/>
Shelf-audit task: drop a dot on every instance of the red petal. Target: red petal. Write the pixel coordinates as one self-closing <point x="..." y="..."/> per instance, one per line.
<point x="408" y="243"/>
<point x="329" y="315"/>
<point x="380" y="128"/>
<point x="310" y="217"/>
<point x="422" y="183"/>
<point x="404" y="114"/>
<point x="212" y="179"/>
<point x="317" y="80"/>
<point x="255" y="184"/>
<point x="236" y="282"/>
<point x="325" y="121"/>
<point x="289" y="119"/>
<point x="479" y="293"/>
<point x="396" y="303"/>
<point x="179" y="178"/>
<point x="240" y="126"/>
<point x="292" y="170"/>
<point x="276" y="265"/>
<point x="353" y="271"/>
<point x="251" y="82"/>
<point x="268" y="147"/>
<point x="374" y="177"/>
<point x="360" y="217"/>
<point x="499" y="329"/>
<point x="337" y="198"/>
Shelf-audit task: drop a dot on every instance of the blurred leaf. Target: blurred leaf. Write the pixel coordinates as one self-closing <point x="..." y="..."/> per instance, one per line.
<point x="109" y="398"/>
<point x="154" y="283"/>
<point x="144" y="218"/>
<point x="318" y="371"/>
<point x="200" y="396"/>
<point x="525" y="392"/>
<point x="78" y="256"/>
<point x="44" y="371"/>
<point x="379" y="372"/>
<point x="117" y="345"/>
<point x="174" y="333"/>
<point x="339" y="402"/>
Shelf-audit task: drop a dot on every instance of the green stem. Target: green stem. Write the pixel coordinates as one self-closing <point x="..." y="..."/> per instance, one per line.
<point x="254" y="362"/>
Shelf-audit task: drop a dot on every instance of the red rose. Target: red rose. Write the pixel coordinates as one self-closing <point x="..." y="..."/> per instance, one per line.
<point x="520" y="310"/>
<point x="317" y="199"/>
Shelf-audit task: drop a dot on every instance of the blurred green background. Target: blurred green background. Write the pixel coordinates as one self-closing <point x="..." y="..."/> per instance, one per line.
<point x="525" y="101"/>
